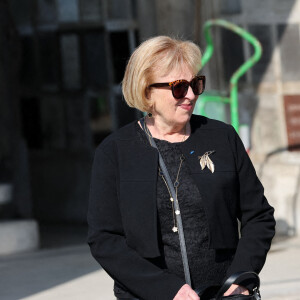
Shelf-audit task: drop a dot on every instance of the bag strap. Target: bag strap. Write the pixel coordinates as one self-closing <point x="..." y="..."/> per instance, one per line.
<point x="233" y="278"/>
<point x="176" y="205"/>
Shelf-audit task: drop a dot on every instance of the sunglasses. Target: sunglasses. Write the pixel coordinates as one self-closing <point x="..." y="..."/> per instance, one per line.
<point x="180" y="87"/>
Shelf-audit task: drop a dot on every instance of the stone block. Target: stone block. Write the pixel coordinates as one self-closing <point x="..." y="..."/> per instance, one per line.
<point x="288" y="38"/>
<point x="267" y="129"/>
<point x="281" y="183"/>
<point x="18" y="236"/>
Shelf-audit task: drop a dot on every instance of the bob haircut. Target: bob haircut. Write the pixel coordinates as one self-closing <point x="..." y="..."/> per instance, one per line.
<point x="162" y="55"/>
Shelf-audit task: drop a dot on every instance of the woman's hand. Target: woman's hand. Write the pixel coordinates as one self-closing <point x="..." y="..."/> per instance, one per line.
<point x="236" y="289"/>
<point x="186" y="293"/>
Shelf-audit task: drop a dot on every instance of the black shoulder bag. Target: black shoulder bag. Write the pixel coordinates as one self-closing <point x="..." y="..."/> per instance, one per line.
<point x="255" y="294"/>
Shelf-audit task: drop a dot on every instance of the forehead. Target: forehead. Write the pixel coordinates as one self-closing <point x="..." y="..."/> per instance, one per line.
<point x="183" y="72"/>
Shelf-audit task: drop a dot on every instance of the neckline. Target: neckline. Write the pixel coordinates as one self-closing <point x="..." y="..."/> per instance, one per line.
<point x="160" y="140"/>
<point x="167" y="142"/>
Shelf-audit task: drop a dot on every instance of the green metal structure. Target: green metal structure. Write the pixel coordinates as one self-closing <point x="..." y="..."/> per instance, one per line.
<point x="232" y="100"/>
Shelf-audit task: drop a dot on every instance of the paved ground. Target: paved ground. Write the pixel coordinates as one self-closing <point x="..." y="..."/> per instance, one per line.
<point x="70" y="273"/>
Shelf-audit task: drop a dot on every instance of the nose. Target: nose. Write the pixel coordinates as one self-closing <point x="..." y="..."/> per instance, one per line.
<point x="190" y="94"/>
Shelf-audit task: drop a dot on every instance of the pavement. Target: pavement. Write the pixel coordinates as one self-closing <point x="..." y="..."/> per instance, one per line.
<point x="71" y="273"/>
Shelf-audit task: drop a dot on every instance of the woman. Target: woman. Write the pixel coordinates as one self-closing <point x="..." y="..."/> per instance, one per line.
<point x="132" y="225"/>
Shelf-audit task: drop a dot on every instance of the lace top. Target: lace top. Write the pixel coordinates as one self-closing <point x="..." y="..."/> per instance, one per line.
<point x="207" y="266"/>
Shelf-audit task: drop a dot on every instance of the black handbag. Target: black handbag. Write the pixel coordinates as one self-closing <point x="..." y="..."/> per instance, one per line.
<point x="254" y="294"/>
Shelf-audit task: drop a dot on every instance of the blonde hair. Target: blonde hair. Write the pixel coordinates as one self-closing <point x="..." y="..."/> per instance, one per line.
<point x="162" y="54"/>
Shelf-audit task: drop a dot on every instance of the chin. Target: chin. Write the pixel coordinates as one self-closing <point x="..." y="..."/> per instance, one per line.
<point x="183" y="119"/>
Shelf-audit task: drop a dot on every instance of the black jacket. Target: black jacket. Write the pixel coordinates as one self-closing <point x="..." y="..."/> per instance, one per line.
<point x="122" y="214"/>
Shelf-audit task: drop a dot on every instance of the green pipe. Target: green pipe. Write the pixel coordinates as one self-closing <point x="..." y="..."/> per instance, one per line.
<point x="241" y="70"/>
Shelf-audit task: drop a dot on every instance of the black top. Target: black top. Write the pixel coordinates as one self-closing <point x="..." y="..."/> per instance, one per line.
<point x="123" y="219"/>
<point x="207" y="266"/>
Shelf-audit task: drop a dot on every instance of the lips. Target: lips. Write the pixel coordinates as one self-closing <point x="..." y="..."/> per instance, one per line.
<point x="186" y="106"/>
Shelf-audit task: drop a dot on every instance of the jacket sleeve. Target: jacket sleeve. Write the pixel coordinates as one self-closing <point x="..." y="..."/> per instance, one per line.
<point x="108" y="243"/>
<point x="254" y="213"/>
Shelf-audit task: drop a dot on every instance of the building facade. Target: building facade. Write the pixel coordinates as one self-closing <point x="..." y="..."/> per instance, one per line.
<point x="72" y="58"/>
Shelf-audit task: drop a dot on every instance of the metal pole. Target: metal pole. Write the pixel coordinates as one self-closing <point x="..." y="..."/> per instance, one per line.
<point x="241" y="70"/>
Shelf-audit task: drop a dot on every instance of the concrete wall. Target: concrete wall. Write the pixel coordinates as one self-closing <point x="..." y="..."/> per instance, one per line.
<point x="170" y="17"/>
<point x="277" y="25"/>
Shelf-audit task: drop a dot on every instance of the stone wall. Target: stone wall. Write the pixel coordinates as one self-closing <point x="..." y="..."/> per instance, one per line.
<point x="277" y="25"/>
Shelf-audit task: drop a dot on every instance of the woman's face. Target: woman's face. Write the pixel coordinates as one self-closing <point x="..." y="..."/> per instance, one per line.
<point x="166" y="108"/>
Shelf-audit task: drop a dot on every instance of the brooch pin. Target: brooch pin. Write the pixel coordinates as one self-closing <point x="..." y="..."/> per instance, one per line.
<point x="205" y="161"/>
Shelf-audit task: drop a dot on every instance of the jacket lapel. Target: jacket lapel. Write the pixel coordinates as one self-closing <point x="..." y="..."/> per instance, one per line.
<point x="138" y="205"/>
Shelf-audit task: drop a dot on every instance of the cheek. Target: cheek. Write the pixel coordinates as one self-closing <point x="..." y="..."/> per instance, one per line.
<point x="163" y="102"/>
<point x="168" y="106"/>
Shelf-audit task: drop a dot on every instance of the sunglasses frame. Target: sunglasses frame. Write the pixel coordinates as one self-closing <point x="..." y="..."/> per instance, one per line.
<point x="172" y="84"/>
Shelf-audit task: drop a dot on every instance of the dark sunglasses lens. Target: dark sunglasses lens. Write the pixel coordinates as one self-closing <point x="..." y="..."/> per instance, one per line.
<point x="197" y="85"/>
<point x="180" y="90"/>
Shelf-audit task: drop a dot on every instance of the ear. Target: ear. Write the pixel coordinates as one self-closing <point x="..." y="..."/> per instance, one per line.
<point x="149" y="107"/>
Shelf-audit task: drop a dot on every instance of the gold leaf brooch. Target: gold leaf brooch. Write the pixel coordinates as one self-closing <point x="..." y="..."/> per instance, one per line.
<point x="205" y="161"/>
